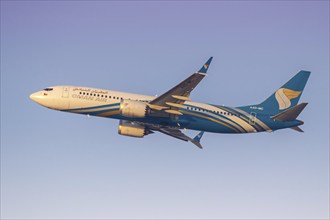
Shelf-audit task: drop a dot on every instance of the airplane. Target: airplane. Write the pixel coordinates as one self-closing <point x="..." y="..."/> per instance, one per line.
<point x="173" y="111"/>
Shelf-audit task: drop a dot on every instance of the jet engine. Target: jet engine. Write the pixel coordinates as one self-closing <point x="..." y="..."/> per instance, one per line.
<point x="133" y="109"/>
<point x="132" y="129"/>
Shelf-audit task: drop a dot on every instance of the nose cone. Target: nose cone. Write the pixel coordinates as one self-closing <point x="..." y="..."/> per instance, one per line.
<point x="38" y="97"/>
<point x="52" y="98"/>
<point x="33" y="97"/>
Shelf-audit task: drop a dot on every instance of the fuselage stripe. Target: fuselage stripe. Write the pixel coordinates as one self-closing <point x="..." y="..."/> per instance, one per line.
<point x="244" y="116"/>
<point x="257" y="121"/>
<point x="94" y="107"/>
<point x="96" y="112"/>
<point x="235" y="119"/>
<point x="212" y="119"/>
<point x="109" y="113"/>
<point x="223" y="118"/>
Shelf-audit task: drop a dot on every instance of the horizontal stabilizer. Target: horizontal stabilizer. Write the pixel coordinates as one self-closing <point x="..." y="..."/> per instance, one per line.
<point x="297" y="129"/>
<point x="290" y="114"/>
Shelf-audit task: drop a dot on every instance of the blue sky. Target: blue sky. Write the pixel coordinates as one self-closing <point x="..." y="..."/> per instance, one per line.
<point x="60" y="165"/>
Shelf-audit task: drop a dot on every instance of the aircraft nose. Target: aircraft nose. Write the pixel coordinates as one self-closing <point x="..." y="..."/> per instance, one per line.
<point x="33" y="96"/>
<point x="38" y="97"/>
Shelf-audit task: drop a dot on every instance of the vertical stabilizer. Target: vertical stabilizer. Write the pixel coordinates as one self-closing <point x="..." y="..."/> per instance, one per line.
<point x="286" y="96"/>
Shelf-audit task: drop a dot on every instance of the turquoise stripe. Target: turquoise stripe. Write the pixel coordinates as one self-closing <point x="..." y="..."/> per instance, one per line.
<point x="103" y="111"/>
<point x="94" y="107"/>
<point x="95" y="112"/>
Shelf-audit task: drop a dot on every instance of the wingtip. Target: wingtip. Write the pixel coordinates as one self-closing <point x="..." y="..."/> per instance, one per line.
<point x="197" y="138"/>
<point x="206" y="66"/>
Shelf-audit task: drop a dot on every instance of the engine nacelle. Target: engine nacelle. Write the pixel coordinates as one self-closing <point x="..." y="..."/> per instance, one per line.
<point x="133" y="109"/>
<point x="130" y="129"/>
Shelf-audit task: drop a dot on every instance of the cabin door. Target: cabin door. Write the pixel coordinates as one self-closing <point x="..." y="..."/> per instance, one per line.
<point x="65" y="93"/>
<point x="253" y="117"/>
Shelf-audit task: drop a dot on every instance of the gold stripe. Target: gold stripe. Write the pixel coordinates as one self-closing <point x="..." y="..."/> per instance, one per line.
<point x="291" y="94"/>
<point x="105" y="114"/>
<point x="255" y="127"/>
<point x="96" y="109"/>
<point x="263" y="125"/>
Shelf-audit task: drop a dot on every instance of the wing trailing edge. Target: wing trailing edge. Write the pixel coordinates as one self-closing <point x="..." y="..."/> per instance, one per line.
<point x="297" y="129"/>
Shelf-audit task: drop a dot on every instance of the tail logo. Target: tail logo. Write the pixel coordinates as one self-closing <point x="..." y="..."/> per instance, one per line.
<point x="283" y="97"/>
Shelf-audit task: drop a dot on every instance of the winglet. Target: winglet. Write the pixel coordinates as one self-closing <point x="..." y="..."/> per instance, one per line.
<point x="197" y="138"/>
<point x="205" y="66"/>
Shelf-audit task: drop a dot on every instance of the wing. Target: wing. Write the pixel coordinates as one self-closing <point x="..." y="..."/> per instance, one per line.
<point x="174" y="132"/>
<point x="173" y="99"/>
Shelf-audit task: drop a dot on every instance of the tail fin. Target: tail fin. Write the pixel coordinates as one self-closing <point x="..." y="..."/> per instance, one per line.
<point x="287" y="96"/>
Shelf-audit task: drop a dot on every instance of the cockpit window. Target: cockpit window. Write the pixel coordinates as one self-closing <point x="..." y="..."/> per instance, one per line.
<point x="48" y="89"/>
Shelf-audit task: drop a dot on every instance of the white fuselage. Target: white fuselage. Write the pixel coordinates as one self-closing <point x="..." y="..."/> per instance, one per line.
<point x="81" y="100"/>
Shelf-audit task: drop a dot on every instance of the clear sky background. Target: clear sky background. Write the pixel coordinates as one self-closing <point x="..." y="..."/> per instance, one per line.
<point x="60" y="165"/>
